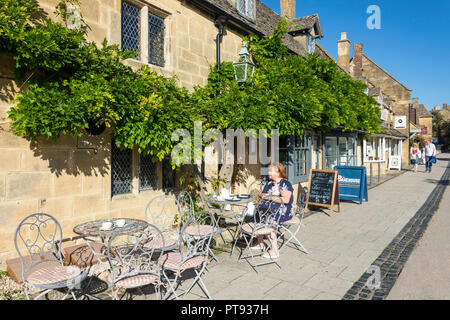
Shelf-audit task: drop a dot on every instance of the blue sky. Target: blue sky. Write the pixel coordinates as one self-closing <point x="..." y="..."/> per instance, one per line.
<point x="413" y="44"/>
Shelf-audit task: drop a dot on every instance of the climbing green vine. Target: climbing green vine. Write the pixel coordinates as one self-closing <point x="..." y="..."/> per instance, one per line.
<point x="67" y="83"/>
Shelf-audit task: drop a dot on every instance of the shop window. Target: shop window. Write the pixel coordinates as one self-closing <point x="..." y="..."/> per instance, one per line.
<point x="121" y="170"/>
<point x="374" y="149"/>
<point x="339" y="151"/>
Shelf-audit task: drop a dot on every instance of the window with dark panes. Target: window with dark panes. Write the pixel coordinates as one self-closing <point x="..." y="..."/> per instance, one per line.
<point x="121" y="170"/>
<point x="148" y="177"/>
<point x="155" y="40"/>
<point x="131" y="28"/>
<point x="168" y="175"/>
<point x="295" y="155"/>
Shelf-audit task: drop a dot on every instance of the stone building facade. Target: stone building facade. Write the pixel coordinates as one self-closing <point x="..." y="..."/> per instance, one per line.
<point x="377" y="151"/>
<point x="72" y="177"/>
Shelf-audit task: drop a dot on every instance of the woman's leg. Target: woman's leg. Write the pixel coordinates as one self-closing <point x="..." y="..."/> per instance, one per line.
<point x="273" y="244"/>
<point x="258" y="241"/>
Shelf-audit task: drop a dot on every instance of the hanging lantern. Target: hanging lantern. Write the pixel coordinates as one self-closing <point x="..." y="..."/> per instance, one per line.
<point x="244" y="68"/>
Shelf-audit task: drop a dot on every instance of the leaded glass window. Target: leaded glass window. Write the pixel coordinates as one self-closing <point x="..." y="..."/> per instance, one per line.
<point x="168" y="175"/>
<point x="121" y="170"/>
<point x="148" y="177"/>
<point x="131" y="28"/>
<point x="155" y="40"/>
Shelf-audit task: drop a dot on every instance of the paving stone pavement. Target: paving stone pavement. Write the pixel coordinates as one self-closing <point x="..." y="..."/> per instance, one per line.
<point x="342" y="247"/>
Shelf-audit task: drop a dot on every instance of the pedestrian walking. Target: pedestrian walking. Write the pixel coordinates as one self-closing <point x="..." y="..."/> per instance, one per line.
<point x="430" y="155"/>
<point x="415" y="156"/>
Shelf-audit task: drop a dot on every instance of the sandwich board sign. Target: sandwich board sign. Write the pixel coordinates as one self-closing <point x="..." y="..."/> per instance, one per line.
<point x="352" y="183"/>
<point x="323" y="189"/>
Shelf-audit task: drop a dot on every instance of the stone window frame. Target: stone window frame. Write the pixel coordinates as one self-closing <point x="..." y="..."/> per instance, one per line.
<point x="166" y="13"/>
<point x="135" y="188"/>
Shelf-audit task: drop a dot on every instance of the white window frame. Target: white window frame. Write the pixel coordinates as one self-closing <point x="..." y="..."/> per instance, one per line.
<point x="247" y="4"/>
<point x="381" y="150"/>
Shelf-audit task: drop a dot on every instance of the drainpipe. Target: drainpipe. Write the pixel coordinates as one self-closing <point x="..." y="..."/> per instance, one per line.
<point x="220" y="24"/>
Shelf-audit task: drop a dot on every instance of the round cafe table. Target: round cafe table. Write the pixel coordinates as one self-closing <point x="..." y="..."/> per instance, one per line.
<point x="93" y="228"/>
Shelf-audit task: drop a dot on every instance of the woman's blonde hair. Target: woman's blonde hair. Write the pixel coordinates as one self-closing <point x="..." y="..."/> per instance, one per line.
<point x="280" y="169"/>
<point x="415" y="145"/>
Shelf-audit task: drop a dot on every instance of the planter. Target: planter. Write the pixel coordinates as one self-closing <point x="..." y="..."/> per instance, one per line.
<point x="95" y="129"/>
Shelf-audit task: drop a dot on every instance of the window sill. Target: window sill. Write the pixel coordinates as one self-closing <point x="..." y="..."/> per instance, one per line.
<point x="125" y="196"/>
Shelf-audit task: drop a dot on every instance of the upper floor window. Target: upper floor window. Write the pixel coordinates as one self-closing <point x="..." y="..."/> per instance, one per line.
<point x="310" y="43"/>
<point x="155" y="40"/>
<point x="132" y="27"/>
<point x="246" y="8"/>
<point x="131" y="31"/>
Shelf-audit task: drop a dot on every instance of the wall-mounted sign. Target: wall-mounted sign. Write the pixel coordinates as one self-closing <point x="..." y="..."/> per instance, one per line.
<point x="423" y="130"/>
<point x="400" y="122"/>
<point x="384" y="114"/>
<point x="352" y="183"/>
<point x="395" y="162"/>
<point x="369" y="151"/>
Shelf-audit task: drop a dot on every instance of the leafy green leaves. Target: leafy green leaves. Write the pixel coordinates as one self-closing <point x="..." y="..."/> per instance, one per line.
<point x="72" y="83"/>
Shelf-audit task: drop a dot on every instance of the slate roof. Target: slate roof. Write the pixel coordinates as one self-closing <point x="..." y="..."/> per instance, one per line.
<point x="306" y="23"/>
<point x="265" y="21"/>
<point x="422" y="111"/>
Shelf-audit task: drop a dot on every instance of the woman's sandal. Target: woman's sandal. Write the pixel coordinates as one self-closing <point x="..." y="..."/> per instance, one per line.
<point x="259" y="247"/>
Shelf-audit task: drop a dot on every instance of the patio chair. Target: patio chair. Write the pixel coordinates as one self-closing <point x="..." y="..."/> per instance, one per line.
<point x="196" y="235"/>
<point x="187" y="210"/>
<point x="265" y="221"/>
<point x="161" y="212"/>
<point x="134" y="265"/>
<point x="40" y="235"/>
<point x="296" y="221"/>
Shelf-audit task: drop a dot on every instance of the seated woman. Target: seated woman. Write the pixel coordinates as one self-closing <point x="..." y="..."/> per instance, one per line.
<point x="278" y="185"/>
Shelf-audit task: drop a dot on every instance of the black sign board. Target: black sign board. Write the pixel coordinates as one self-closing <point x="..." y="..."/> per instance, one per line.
<point x="323" y="189"/>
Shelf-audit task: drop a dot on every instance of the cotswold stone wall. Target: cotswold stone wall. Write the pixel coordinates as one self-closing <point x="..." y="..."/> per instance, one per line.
<point x="395" y="90"/>
<point x="71" y="178"/>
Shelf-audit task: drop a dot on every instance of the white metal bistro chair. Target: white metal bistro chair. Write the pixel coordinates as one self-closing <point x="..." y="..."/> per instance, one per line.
<point x="186" y="211"/>
<point x="265" y="222"/>
<point x="196" y="235"/>
<point x="161" y="212"/>
<point x="38" y="242"/>
<point x="133" y="264"/>
<point x="296" y="223"/>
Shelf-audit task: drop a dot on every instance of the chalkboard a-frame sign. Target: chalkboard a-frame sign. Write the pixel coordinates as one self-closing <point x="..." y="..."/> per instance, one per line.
<point x="323" y="189"/>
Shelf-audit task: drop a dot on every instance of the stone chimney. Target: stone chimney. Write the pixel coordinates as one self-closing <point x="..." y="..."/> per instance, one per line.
<point x="288" y="9"/>
<point x="412" y="115"/>
<point x="344" y="51"/>
<point x="445" y="107"/>
<point x="415" y="103"/>
<point x="357" y="59"/>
